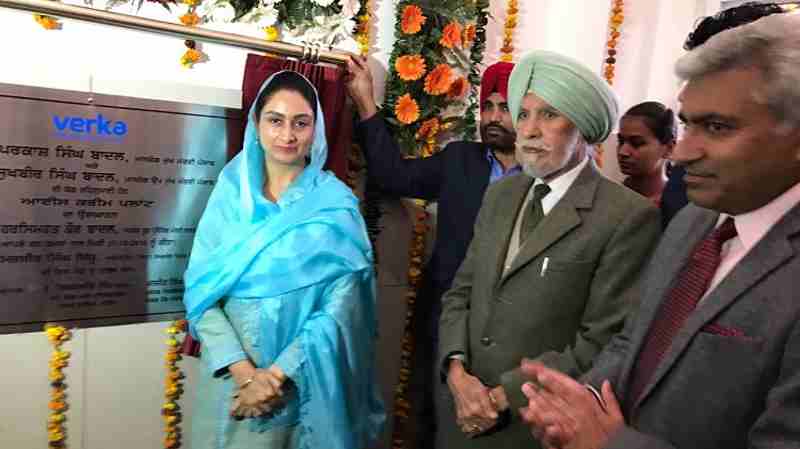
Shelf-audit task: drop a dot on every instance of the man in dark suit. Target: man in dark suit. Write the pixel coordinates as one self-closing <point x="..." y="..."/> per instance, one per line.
<point x="553" y="253"/>
<point x="712" y="358"/>
<point x="456" y="177"/>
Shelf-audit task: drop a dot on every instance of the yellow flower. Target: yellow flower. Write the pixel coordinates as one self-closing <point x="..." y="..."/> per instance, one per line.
<point x="511" y="21"/>
<point x="56" y="418"/>
<point x="271" y="33"/>
<point x="55" y="436"/>
<point x="57" y="364"/>
<point x="191" y="2"/>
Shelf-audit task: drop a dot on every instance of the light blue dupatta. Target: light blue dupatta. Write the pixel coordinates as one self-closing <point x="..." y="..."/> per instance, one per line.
<point x="292" y="257"/>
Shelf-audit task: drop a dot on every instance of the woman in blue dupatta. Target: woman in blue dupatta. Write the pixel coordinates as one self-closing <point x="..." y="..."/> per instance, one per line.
<point x="280" y="291"/>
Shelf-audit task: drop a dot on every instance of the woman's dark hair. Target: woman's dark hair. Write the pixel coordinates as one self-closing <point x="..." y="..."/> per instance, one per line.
<point x="287" y="80"/>
<point x="659" y="119"/>
<point x="727" y="19"/>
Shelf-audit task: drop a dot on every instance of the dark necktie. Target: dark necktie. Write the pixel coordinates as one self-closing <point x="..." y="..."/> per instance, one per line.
<point x="690" y="286"/>
<point x="534" y="212"/>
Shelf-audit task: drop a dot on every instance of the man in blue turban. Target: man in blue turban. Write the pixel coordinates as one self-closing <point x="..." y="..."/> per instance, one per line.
<point x="555" y="251"/>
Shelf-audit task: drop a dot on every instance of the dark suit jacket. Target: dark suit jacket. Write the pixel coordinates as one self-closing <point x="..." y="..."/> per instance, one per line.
<point x="596" y="240"/>
<point x="456" y="177"/>
<point x="732" y="376"/>
<point x="673" y="198"/>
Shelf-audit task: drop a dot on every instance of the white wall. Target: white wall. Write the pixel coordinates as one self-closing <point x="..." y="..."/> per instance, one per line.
<point x="115" y="378"/>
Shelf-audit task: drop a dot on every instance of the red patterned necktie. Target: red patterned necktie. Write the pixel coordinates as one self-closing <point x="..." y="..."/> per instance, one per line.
<point x="690" y="286"/>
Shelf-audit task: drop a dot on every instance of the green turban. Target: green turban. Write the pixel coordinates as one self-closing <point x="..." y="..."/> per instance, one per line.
<point x="568" y="86"/>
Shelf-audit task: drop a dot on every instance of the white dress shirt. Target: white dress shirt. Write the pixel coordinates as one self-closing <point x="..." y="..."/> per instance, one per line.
<point x="558" y="188"/>
<point x="751" y="227"/>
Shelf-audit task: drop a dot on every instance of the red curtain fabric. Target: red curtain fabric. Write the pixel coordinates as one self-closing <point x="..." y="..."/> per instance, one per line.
<point x="330" y="84"/>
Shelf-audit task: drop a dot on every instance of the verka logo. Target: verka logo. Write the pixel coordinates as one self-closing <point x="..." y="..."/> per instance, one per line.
<point x="80" y="128"/>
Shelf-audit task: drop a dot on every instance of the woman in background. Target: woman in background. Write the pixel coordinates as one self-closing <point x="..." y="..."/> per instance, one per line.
<point x="280" y="291"/>
<point x="647" y="134"/>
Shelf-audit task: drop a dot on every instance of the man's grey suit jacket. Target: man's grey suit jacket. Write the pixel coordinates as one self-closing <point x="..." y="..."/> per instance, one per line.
<point x="596" y="240"/>
<point x="731" y="378"/>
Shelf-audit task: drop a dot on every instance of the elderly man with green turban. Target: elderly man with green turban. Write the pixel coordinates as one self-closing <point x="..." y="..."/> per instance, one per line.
<point x="556" y="251"/>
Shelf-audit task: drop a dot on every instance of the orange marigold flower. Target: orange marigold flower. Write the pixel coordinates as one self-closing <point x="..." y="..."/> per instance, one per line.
<point x="469" y="33"/>
<point x="412" y="19"/>
<point x="190" y="19"/>
<point x="458" y="89"/>
<point x="188" y="59"/>
<point x="429" y="128"/>
<point x="56" y="406"/>
<point x="410" y="67"/>
<point x="47" y="22"/>
<point x="406" y="110"/>
<point x="439" y="80"/>
<point x="451" y="35"/>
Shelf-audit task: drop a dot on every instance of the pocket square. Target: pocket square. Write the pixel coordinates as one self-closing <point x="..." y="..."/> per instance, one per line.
<point x="725" y="331"/>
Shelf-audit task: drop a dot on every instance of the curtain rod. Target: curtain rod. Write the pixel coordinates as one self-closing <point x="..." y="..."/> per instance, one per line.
<point x="311" y="54"/>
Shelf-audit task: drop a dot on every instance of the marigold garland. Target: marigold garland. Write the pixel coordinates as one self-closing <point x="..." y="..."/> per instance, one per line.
<point x="193" y="55"/>
<point x="173" y="386"/>
<point x="614" y="25"/>
<point x="440" y="33"/>
<point x="371" y="204"/>
<point x="507" y="50"/>
<point x="59" y="359"/>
